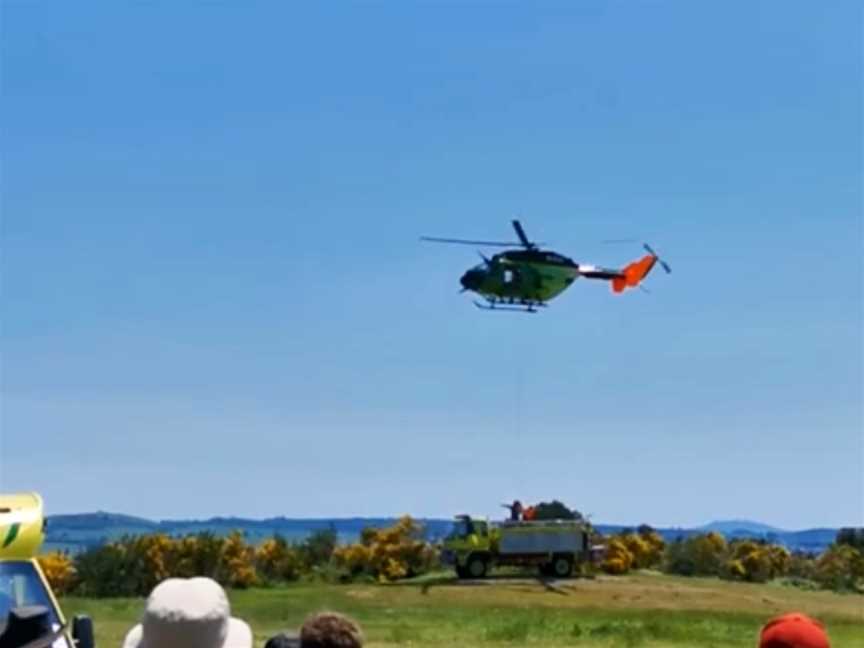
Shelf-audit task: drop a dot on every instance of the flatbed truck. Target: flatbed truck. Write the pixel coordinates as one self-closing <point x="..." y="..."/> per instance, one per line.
<point x="555" y="547"/>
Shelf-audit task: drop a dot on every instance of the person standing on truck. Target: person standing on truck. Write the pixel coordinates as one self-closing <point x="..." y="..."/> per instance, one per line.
<point x="515" y="510"/>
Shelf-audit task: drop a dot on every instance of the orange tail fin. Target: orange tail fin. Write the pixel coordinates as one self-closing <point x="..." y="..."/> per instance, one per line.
<point x="634" y="273"/>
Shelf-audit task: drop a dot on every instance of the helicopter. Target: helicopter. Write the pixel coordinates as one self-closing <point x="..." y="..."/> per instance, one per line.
<point x="526" y="278"/>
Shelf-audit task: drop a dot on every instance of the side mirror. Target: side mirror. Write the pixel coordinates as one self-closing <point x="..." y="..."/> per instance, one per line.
<point x="82" y="631"/>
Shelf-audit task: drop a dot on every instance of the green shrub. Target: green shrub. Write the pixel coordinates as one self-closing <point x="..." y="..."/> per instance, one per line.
<point x="841" y="568"/>
<point x="318" y="548"/>
<point x="388" y="554"/>
<point x="700" y="555"/>
<point x="277" y="561"/>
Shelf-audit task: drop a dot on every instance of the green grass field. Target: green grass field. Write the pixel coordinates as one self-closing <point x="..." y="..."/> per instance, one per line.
<point x="650" y="610"/>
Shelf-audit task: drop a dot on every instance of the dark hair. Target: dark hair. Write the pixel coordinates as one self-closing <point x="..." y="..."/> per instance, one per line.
<point x="283" y="640"/>
<point x="330" y="630"/>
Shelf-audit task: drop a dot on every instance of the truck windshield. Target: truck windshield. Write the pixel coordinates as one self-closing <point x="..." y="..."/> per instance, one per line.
<point x="21" y="586"/>
<point x="462" y="528"/>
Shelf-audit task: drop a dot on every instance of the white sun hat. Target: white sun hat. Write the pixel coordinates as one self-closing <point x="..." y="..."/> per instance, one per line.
<point x="189" y="613"/>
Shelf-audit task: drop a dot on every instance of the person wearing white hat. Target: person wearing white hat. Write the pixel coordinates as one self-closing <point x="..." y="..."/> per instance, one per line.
<point x="188" y="613"/>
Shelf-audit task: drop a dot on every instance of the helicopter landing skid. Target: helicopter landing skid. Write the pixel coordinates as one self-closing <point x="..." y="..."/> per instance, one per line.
<point x="506" y="306"/>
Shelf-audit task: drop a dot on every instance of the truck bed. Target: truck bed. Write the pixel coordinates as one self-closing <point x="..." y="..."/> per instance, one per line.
<point x="537" y="538"/>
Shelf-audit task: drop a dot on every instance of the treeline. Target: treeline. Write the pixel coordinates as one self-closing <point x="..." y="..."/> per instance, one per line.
<point x="840" y="567"/>
<point x="133" y="565"/>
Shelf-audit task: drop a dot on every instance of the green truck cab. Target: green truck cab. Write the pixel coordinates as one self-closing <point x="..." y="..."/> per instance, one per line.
<point x="475" y="546"/>
<point x="29" y="611"/>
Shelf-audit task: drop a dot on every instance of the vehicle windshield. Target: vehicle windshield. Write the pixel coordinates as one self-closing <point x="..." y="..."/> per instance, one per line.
<point x="461" y="528"/>
<point x="21" y="586"/>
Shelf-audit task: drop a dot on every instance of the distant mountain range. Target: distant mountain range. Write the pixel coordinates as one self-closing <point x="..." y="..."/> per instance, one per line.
<point x="81" y="531"/>
<point x="78" y="532"/>
<point x="808" y="540"/>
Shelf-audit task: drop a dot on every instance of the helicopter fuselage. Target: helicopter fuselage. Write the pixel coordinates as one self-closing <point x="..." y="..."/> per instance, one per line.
<point x="522" y="276"/>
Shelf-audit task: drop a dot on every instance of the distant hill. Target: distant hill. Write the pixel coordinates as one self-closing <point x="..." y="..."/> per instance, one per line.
<point x="100" y="520"/>
<point x="79" y="532"/>
<point x="809" y="540"/>
<point x="740" y="527"/>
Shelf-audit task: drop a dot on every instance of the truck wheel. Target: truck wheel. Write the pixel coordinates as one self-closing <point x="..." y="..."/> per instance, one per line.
<point x="562" y="566"/>
<point x="476" y="567"/>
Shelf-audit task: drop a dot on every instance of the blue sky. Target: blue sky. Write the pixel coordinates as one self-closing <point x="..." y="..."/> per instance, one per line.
<point x="215" y="301"/>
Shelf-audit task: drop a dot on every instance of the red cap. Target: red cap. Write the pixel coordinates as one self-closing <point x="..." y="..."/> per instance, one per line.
<point x="793" y="630"/>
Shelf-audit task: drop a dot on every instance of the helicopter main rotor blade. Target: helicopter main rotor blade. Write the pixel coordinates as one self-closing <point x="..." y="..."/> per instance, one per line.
<point x="433" y="239"/>
<point x="521" y="234"/>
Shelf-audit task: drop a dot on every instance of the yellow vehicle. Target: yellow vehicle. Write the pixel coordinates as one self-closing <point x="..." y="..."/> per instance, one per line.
<point x="554" y="546"/>
<point x="29" y="613"/>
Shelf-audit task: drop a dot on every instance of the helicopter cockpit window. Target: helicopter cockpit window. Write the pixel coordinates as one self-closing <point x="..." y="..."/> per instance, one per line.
<point x="509" y="276"/>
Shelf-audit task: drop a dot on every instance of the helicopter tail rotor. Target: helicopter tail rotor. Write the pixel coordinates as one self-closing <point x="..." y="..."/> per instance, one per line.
<point x="662" y="263"/>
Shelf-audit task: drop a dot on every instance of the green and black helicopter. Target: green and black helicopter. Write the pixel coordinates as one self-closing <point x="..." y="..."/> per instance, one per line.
<point x="527" y="278"/>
